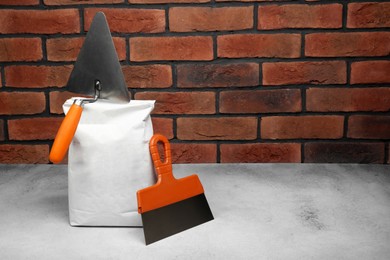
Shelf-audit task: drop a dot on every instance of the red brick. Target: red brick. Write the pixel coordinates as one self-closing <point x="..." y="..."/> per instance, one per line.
<point x="261" y="153"/>
<point x="163" y="126"/>
<point x="123" y="20"/>
<point x="16" y="153"/>
<point x="19" y="2"/>
<point x="259" y="45"/>
<point x="246" y="1"/>
<point x="57" y="99"/>
<point x="37" y="76"/>
<point x="300" y="16"/>
<point x="347" y="44"/>
<point x="193" y="153"/>
<point x="260" y="101"/>
<point x="368" y="15"/>
<point x="188" y="19"/>
<point x="305" y="72"/>
<point x="33" y="128"/>
<point x="171" y="48"/>
<point x="77" y="2"/>
<point x="302" y="127"/>
<point x="67" y="49"/>
<point x="20" y="49"/>
<point x="148" y="76"/>
<point x="370" y="72"/>
<point x="217" y="75"/>
<point x="24" y="103"/>
<point x="166" y="1"/>
<point x="62" y="21"/>
<point x="347" y="99"/>
<point x="2" y="134"/>
<point x="325" y="152"/>
<point x="369" y="127"/>
<point x="181" y="102"/>
<point x="221" y="128"/>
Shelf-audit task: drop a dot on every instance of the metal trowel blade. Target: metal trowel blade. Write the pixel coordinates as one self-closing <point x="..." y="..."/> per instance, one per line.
<point x="98" y="60"/>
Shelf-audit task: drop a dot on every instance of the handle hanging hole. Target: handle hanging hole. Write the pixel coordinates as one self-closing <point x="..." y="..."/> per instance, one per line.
<point x="161" y="153"/>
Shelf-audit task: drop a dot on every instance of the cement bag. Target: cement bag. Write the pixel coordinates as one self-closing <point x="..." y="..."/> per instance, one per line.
<point x="108" y="162"/>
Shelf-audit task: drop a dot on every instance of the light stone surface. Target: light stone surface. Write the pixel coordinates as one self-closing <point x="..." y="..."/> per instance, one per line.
<point x="262" y="211"/>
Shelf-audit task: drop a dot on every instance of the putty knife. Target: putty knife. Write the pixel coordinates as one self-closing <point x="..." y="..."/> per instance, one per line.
<point x="97" y="73"/>
<point x="171" y="205"/>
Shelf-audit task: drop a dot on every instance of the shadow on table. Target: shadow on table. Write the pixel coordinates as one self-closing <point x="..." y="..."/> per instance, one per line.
<point x="57" y="206"/>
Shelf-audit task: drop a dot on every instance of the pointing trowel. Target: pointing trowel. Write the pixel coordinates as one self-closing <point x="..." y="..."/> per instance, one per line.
<point x="97" y="73"/>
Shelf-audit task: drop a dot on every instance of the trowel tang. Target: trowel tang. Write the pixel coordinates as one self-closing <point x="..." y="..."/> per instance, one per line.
<point x="69" y="125"/>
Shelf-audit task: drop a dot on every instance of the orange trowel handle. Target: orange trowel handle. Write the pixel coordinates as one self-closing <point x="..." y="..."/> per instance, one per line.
<point x="65" y="134"/>
<point x="163" y="168"/>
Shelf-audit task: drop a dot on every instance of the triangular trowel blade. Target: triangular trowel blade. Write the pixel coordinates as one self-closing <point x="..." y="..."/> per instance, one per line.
<point x="98" y="60"/>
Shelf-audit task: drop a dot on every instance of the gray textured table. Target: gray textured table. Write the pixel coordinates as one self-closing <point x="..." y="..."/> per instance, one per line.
<point x="262" y="211"/>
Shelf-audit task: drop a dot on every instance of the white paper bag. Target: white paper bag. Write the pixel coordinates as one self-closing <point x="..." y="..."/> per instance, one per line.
<point x="108" y="162"/>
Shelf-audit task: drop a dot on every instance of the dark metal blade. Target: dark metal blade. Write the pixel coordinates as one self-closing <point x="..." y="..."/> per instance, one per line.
<point x="98" y="60"/>
<point x="172" y="219"/>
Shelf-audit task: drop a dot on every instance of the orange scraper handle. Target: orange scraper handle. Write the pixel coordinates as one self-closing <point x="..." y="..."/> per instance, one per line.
<point x="168" y="189"/>
<point x="65" y="134"/>
<point x="162" y="167"/>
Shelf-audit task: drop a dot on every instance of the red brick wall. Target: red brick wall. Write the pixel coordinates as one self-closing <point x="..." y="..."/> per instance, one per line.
<point x="235" y="81"/>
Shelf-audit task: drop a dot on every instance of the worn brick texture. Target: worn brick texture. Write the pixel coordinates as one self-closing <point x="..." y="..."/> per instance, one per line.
<point x="235" y="81"/>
